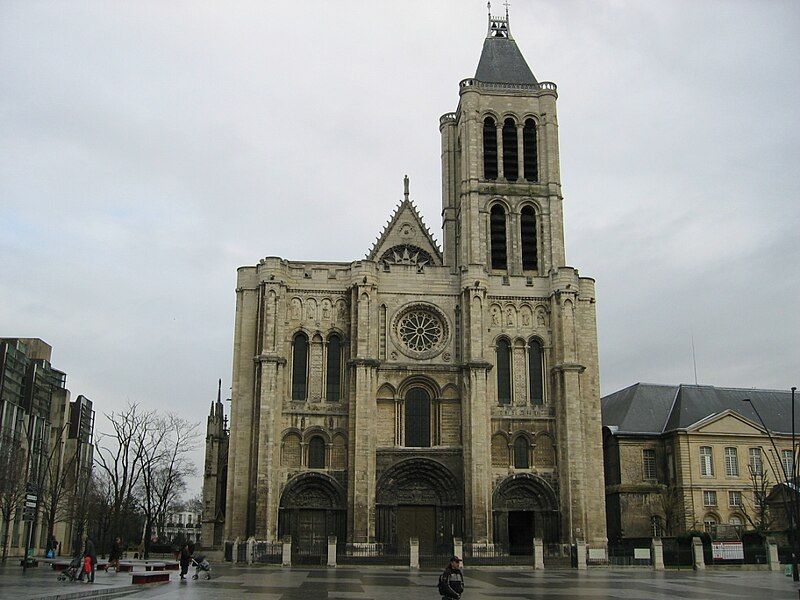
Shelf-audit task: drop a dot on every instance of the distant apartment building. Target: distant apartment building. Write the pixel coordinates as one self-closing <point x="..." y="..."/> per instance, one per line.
<point x="692" y="457"/>
<point x="186" y="525"/>
<point x="46" y="449"/>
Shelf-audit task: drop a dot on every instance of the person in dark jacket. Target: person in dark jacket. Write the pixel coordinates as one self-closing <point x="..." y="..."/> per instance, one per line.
<point x="90" y="564"/>
<point x="186" y="558"/>
<point x="451" y="581"/>
<point x="114" y="554"/>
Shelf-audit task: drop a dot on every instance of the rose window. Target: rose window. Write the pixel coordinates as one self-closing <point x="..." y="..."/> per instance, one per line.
<point x="421" y="331"/>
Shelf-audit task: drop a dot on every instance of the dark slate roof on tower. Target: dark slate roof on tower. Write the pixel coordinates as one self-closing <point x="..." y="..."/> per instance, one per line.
<point x="501" y="60"/>
<point x="655" y="409"/>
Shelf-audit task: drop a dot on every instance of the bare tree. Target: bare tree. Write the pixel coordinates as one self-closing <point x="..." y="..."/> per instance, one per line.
<point x="165" y="465"/>
<point x="120" y="457"/>
<point x="676" y="513"/>
<point x="755" y="507"/>
<point x="12" y="484"/>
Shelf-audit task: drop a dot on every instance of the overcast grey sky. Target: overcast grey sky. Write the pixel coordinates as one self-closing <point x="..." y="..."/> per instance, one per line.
<point x="151" y="148"/>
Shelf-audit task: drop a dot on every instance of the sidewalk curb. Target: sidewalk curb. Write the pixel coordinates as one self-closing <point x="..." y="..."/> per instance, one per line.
<point x="96" y="593"/>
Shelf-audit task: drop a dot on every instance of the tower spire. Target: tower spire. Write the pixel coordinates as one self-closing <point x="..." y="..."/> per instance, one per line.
<point x="405" y="187"/>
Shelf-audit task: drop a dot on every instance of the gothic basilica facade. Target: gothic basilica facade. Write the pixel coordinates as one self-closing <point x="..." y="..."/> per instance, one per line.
<point x="426" y="392"/>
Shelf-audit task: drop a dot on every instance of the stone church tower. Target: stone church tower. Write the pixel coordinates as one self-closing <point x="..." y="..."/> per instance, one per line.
<point x="431" y="393"/>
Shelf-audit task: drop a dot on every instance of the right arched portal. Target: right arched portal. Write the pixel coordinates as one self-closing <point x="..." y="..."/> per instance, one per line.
<point x="524" y="507"/>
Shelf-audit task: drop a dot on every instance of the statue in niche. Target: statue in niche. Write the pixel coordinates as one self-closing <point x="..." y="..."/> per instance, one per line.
<point x="510" y="316"/>
<point x="540" y="318"/>
<point x="526" y="318"/>
<point x="326" y="309"/>
<point x="297" y="308"/>
<point x="311" y="310"/>
<point x="495" y="316"/>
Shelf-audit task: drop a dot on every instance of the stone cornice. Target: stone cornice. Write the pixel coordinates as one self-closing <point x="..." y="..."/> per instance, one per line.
<point x="364" y="362"/>
<point x="269" y="358"/>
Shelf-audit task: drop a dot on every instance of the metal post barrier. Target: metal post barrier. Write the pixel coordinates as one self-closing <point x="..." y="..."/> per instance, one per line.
<point x="538" y="554"/>
<point x="581" y="553"/>
<point x="697" y="553"/>
<point x="250" y="543"/>
<point x="657" y="554"/>
<point x="331" y="550"/>
<point x="413" y="554"/>
<point x="286" y="559"/>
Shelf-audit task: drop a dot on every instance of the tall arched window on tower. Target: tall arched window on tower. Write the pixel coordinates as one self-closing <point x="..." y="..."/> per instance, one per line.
<point x="489" y="148"/>
<point x="510" y="154"/>
<point x="521" y="453"/>
<point x="316" y="453"/>
<point x="418" y="418"/>
<point x="333" y="370"/>
<point x="536" y="371"/>
<point x="497" y="225"/>
<point x="503" y="372"/>
<point x="299" y="366"/>
<point x="530" y="158"/>
<point x="528" y="234"/>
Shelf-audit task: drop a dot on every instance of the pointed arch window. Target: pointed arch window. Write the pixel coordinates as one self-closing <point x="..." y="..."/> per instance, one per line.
<point x="333" y="369"/>
<point x="528" y="234"/>
<point x="300" y="366"/>
<point x="510" y="154"/>
<point x="418" y="418"/>
<point x="536" y="371"/>
<point x="530" y="157"/>
<point x="316" y="453"/>
<point x="521" y="453"/>
<point x="503" y="372"/>
<point x="489" y="148"/>
<point x="497" y="226"/>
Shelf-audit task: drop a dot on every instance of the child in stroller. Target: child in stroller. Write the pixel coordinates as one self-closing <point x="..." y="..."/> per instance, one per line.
<point x="201" y="564"/>
<point x="72" y="571"/>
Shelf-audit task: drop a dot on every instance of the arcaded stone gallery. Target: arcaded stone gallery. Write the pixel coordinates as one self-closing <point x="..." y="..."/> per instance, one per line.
<point x="423" y="392"/>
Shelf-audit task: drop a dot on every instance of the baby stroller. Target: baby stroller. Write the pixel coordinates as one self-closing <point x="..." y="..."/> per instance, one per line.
<point x="72" y="571"/>
<point x="201" y="564"/>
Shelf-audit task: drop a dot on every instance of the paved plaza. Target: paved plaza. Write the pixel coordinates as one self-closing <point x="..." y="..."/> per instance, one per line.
<point x="391" y="583"/>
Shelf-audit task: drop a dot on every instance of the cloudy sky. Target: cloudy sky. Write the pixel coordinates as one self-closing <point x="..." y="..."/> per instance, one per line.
<point x="151" y="148"/>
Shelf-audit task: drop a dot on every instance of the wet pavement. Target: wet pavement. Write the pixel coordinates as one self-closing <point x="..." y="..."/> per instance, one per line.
<point x="383" y="583"/>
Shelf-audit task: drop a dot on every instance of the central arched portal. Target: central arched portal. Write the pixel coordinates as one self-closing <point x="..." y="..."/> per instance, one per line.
<point x="312" y="507"/>
<point x="524" y="507"/>
<point x="421" y="498"/>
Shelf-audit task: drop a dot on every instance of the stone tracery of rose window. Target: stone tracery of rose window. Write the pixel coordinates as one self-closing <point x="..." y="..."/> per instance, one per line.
<point x="420" y="330"/>
<point x="406" y="254"/>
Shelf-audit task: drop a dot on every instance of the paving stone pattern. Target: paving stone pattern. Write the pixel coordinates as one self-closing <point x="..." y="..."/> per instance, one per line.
<point x="393" y="583"/>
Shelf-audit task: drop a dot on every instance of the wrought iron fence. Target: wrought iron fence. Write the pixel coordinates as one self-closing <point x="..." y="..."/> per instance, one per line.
<point x="310" y="553"/>
<point x="373" y="554"/>
<point x="270" y="553"/>
<point x="625" y="554"/>
<point x="228" y="551"/>
<point x="241" y="552"/>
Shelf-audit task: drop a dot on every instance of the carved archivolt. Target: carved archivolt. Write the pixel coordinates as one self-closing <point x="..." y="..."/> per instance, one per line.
<point x="313" y="490"/>
<point x="418" y="481"/>
<point x="524" y="491"/>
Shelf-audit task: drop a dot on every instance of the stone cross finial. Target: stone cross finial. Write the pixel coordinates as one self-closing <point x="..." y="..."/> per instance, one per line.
<point x="405" y="186"/>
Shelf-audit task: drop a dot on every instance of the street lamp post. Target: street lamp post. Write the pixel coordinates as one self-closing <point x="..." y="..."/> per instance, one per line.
<point x="792" y="503"/>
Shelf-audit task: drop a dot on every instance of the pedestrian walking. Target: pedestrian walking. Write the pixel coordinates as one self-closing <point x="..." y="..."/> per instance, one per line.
<point x="451" y="581"/>
<point x="89" y="561"/>
<point x="186" y="558"/>
<point x="114" y="554"/>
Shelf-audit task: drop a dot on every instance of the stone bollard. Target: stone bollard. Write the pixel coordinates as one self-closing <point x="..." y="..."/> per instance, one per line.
<point x="235" y="553"/>
<point x="286" y="559"/>
<point x="331" y="550"/>
<point x="413" y="553"/>
<point x="581" y="552"/>
<point x="697" y="553"/>
<point x="250" y="544"/>
<point x="458" y="548"/>
<point x="538" y="553"/>
<point x="657" y="554"/>
<point x="772" y="556"/>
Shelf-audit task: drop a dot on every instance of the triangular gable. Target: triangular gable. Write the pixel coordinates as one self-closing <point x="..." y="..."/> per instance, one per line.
<point x="406" y="239"/>
<point x="727" y="422"/>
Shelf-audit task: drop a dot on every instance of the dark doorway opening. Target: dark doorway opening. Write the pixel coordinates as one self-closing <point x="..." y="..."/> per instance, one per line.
<point x="520" y="532"/>
<point x="418" y="522"/>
